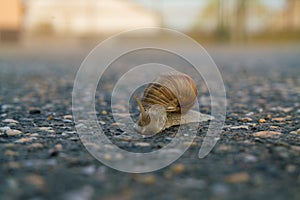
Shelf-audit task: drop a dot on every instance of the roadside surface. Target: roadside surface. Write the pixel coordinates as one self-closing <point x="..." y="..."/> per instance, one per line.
<point x="42" y="156"/>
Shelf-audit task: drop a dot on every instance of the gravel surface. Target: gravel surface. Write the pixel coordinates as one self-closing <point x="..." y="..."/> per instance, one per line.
<point x="257" y="156"/>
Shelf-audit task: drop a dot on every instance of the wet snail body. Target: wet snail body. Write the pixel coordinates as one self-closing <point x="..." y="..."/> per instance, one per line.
<point x="166" y="102"/>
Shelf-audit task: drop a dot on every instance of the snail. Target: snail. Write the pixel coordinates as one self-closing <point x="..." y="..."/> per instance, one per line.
<point x="166" y="102"/>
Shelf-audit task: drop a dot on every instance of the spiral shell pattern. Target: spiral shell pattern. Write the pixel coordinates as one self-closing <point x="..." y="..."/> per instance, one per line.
<point x="176" y="91"/>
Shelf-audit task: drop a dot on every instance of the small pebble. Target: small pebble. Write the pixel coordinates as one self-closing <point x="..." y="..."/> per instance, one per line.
<point x="241" y="177"/>
<point x="58" y="147"/>
<point x="69" y="132"/>
<point x="10" y="121"/>
<point x="104" y="112"/>
<point x="125" y="138"/>
<point x="286" y="110"/>
<point x="74" y="138"/>
<point x="296" y="148"/>
<point x="26" y="119"/>
<point x="290" y="168"/>
<point x="102" y="122"/>
<point x="64" y="134"/>
<point x="68" y="117"/>
<point x="89" y="170"/>
<point x="190" y="144"/>
<point x="278" y="119"/>
<point x="261" y="120"/>
<point x="266" y="134"/>
<point x="5" y="128"/>
<point x="117" y="124"/>
<point x="250" y="113"/>
<point x="12" y="132"/>
<point x="34" y="135"/>
<point x="33" y="138"/>
<point x="246" y="119"/>
<point x="178" y="168"/>
<point x="23" y="140"/>
<point x="142" y="144"/>
<point x="67" y="121"/>
<point x="45" y="128"/>
<point x="107" y="156"/>
<point x="296" y="131"/>
<point x="48" y="129"/>
<point x="239" y="127"/>
<point x="250" y="158"/>
<point x="6" y="107"/>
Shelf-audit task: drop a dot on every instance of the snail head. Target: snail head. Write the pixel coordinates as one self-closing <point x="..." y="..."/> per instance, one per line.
<point x="151" y="120"/>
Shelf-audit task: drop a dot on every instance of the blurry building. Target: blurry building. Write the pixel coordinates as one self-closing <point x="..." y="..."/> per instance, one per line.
<point x="11" y="19"/>
<point x="86" y="17"/>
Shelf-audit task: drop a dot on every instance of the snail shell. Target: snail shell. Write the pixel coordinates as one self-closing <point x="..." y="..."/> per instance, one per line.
<point x="175" y="91"/>
<point x="166" y="102"/>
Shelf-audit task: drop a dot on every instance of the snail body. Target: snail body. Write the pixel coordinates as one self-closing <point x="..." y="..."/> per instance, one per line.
<point x="166" y="102"/>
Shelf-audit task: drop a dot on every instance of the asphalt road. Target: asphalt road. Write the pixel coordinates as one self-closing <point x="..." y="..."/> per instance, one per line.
<point x="256" y="157"/>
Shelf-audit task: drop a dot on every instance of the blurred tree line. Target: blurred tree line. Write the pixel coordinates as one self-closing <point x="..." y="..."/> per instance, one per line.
<point x="233" y="17"/>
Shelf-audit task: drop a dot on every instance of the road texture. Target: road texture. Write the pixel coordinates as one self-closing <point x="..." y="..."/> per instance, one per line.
<point x="257" y="156"/>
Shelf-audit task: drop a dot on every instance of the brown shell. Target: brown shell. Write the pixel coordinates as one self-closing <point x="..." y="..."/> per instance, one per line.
<point x="176" y="91"/>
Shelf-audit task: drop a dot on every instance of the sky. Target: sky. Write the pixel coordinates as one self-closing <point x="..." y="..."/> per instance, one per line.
<point x="181" y="14"/>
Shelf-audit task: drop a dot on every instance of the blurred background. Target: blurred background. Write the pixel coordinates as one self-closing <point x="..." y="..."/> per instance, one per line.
<point x="226" y="21"/>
